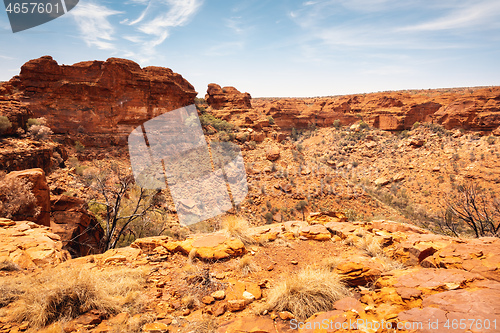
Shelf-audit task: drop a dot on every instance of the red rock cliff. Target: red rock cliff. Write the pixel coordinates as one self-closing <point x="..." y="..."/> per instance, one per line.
<point x="100" y="102"/>
<point x="475" y="109"/>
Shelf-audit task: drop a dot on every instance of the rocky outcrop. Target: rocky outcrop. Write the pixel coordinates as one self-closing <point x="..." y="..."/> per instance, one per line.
<point x="227" y="97"/>
<point x="28" y="244"/>
<point x="12" y="108"/>
<point x="79" y="230"/>
<point x="475" y="109"/>
<point x="17" y="155"/>
<point x="40" y="189"/>
<point x="99" y="102"/>
<point x="215" y="246"/>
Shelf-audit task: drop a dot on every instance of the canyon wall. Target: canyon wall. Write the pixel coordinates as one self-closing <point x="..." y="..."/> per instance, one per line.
<point x="98" y="102"/>
<point x="476" y="109"/>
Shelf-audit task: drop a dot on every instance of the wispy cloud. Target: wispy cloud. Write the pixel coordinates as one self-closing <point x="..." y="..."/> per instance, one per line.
<point x="224" y="49"/>
<point x="234" y="23"/>
<point x="158" y="23"/>
<point x="383" y="24"/>
<point x="6" y="57"/>
<point x="142" y="33"/>
<point x="470" y="15"/>
<point x="94" y="25"/>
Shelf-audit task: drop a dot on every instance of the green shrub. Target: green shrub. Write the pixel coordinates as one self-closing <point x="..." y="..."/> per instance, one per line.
<point x="336" y="123"/>
<point x="32" y="122"/>
<point x="491" y="140"/>
<point x="219" y="124"/>
<point x="5" y="124"/>
<point x="79" y="146"/>
<point x="363" y="125"/>
<point x="271" y="120"/>
<point x="268" y="217"/>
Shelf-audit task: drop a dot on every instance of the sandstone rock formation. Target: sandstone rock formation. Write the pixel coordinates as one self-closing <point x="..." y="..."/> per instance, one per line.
<point x="12" y="108"/>
<point x="16" y="155"/>
<point x="79" y="230"/>
<point x="99" y="101"/>
<point x="28" y="244"/>
<point x="227" y="98"/>
<point x="39" y="187"/>
<point x="476" y="109"/>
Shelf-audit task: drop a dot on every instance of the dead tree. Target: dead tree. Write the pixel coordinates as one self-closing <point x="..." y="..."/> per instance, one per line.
<point x="121" y="207"/>
<point x="475" y="209"/>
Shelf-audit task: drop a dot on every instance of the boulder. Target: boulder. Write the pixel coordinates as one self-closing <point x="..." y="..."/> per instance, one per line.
<point x="273" y="153"/>
<point x="41" y="191"/>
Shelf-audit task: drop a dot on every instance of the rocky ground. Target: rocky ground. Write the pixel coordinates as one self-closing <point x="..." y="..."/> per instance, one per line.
<point x="394" y="273"/>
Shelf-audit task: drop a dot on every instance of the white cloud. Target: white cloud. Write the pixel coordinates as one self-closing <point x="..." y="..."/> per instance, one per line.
<point x="93" y="22"/>
<point x="470" y="15"/>
<point x="157" y="23"/>
<point x="234" y="23"/>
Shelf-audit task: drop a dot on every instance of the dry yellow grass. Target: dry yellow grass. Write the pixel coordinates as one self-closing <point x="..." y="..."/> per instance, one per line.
<point x="206" y="325"/>
<point x="247" y="266"/>
<point x="65" y="293"/>
<point x="237" y="227"/>
<point x="370" y="245"/>
<point x="307" y="292"/>
<point x="8" y="266"/>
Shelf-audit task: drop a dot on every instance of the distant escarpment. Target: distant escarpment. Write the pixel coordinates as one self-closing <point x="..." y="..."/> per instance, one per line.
<point x="98" y="102"/>
<point x="476" y="109"/>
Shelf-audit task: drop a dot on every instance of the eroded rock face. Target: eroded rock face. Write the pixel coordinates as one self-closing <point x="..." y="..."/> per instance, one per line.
<point x="227" y="97"/>
<point x="79" y="230"/>
<point x="36" y="177"/>
<point x="28" y="244"/>
<point x="100" y="102"/>
<point x="477" y="109"/>
<point x="30" y="154"/>
<point x="12" y="108"/>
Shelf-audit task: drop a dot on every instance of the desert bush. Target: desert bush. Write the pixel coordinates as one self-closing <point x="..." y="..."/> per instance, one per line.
<point x="32" y="122"/>
<point x="247" y="266"/>
<point x="271" y="120"/>
<point x="301" y="207"/>
<point x="5" y="124"/>
<point x="336" y="123"/>
<point x="415" y="125"/>
<point x="67" y="292"/>
<point x="370" y="246"/>
<point x="219" y="124"/>
<point x="206" y="325"/>
<point x="438" y="129"/>
<point x="237" y="227"/>
<point x="307" y="292"/>
<point x="124" y="203"/>
<point x="79" y="147"/>
<point x="16" y="199"/>
<point x="39" y="132"/>
<point x="471" y="210"/>
<point x="491" y="140"/>
<point x="199" y="100"/>
<point x="268" y="217"/>
<point x="363" y="125"/>
<point x="8" y="266"/>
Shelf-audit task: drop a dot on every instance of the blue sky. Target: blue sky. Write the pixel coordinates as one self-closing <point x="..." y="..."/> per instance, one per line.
<point x="279" y="48"/>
